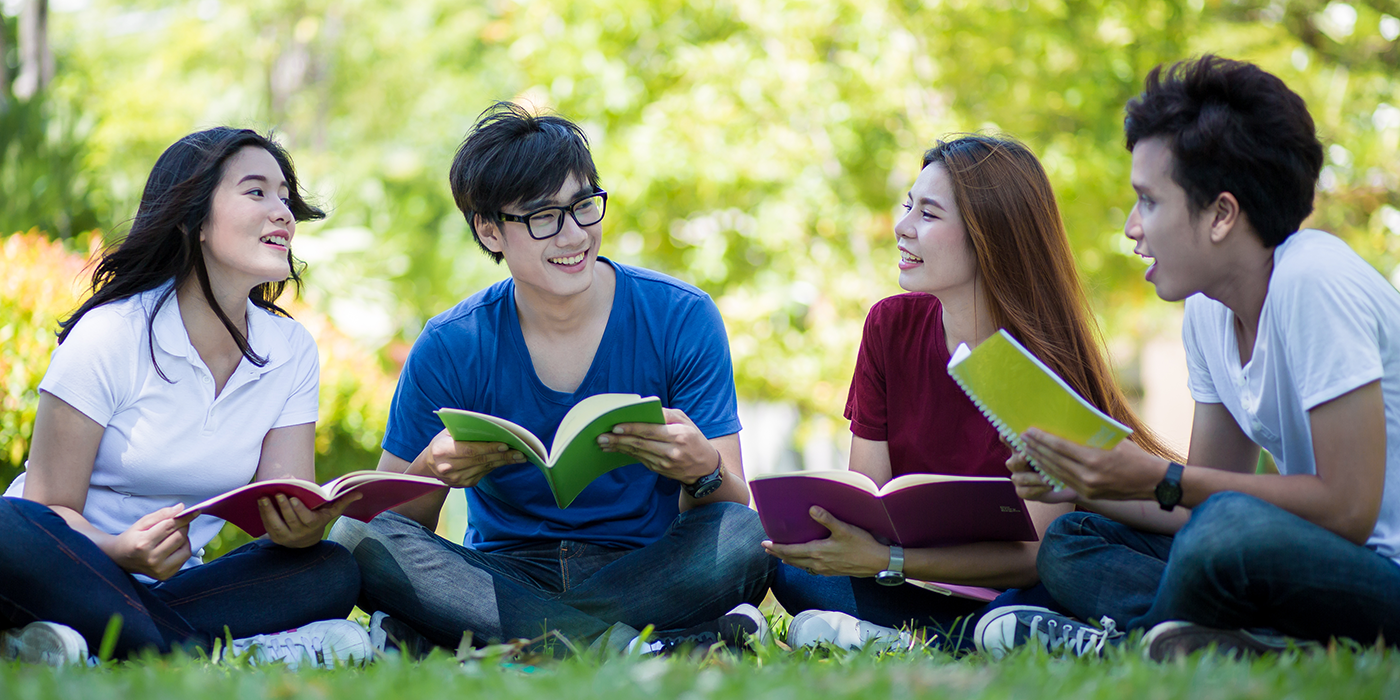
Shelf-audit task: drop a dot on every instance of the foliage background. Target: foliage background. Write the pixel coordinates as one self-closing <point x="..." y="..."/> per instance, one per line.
<point x="756" y="148"/>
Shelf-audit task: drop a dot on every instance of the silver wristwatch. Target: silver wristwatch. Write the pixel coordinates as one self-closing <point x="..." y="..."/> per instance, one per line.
<point x="893" y="575"/>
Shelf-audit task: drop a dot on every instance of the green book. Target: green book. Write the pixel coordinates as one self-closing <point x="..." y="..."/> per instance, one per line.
<point x="1016" y="392"/>
<point x="574" y="460"/>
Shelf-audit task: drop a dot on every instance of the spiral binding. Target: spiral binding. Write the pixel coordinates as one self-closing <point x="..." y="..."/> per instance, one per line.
<point x="1007" y="433"/>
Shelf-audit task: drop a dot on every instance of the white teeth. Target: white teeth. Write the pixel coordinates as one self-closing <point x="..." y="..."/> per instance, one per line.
<point x="571" y="260"/>
<point x="909" y="257"/>
<point x="276" y="240"/>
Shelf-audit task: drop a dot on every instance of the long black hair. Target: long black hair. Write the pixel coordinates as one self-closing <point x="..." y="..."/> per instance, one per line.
<point x="163" y="243"/>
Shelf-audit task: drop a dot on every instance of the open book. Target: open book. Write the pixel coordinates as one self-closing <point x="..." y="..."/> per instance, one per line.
<point x="914" y="510"/>
<point x="381" y="491"/>
<point x="574" y="460"/>
<point x="1016" y="392"/>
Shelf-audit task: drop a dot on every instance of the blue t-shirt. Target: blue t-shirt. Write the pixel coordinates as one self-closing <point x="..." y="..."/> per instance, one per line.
<point x="664" y="338"/>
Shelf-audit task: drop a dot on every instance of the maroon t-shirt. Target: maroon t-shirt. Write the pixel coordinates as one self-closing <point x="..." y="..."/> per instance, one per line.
<point x="902" y="394"/>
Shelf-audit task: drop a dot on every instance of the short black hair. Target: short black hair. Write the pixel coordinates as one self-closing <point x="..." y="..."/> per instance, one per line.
<point x="512" y="156"/>
<point x="1232" y="127"/>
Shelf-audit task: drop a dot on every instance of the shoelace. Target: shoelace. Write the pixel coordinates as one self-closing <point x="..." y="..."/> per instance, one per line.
<point x="285" y="647"/>
<point x="1085" y="637"/>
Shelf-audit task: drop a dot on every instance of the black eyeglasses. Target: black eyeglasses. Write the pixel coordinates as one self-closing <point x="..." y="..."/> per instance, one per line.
<point x="547" y="222"/>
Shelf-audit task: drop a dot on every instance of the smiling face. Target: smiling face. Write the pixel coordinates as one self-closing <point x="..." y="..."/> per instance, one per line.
<point x="561" y="266"/>
<point x="1168" y="230"/>
<point x="247" y="237"/>
<point x="935" y="254"/>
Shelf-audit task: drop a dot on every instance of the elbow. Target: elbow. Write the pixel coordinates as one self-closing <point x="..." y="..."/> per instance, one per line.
<point x="1355" y="523"/>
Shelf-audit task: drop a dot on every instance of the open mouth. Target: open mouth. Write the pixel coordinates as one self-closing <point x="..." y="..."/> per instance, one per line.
<point x="906" y="256"/>
<point x="570" y="260"/>
<point x="276" y="240"/>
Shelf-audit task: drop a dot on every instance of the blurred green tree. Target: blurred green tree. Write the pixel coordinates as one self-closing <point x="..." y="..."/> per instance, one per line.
<point x="754" y="148"/>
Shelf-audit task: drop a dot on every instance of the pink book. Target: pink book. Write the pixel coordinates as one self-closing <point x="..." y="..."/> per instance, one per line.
<point x="382" y="491"/>
<point x="914" y="510"/>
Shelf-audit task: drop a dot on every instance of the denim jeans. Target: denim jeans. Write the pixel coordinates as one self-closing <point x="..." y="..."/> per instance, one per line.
<point x="49" y="571"/>
<point x="708" y="561"/>
<point x="1238" y="563"/>
<point x="905" y="606"/>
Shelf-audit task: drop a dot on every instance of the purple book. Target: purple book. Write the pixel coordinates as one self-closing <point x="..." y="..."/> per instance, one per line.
<point x="914" y="510"/>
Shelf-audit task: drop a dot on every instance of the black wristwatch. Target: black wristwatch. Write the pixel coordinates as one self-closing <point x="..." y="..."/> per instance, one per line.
<point x="707" y="484"/>
<point x="893" y="575"/>
<point x="1168" y="491"/>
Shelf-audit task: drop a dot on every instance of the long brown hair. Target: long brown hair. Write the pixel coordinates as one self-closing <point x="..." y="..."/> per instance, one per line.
<point x="1024" y="260"/>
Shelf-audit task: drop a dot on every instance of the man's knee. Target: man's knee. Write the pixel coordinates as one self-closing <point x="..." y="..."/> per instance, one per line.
<point x="1065" y="535"/>
<point x="1226" y="530"/>
<point x="737" y="535"/>
<point x="348" y="533"/>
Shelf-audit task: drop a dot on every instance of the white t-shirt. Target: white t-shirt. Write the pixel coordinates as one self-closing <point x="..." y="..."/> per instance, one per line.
<point x="1330" y="324"/>
<point x="167" y="442"/>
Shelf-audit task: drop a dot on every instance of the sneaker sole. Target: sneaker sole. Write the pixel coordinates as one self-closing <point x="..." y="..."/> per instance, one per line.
<point x="1172" y="640"/>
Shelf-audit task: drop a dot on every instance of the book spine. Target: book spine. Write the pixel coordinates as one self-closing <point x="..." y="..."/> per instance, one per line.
<point x="1005" y="431"/>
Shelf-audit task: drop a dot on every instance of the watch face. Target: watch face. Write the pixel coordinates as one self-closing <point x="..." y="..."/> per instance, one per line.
<point x="1168" y="494"/>
<point x="889" y="578"/>
<point x="704" y="487"/>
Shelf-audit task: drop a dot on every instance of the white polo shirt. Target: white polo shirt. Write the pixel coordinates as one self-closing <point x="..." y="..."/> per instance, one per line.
<point x="1330" y="324"/>
<point x="167" y="442"/>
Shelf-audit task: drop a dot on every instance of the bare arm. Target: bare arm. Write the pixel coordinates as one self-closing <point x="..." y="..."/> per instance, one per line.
<point x="1344" y="496"/>
<point x="289" y="452"/>
<point x="58" y="474"/>
<point x="678" y="450"/>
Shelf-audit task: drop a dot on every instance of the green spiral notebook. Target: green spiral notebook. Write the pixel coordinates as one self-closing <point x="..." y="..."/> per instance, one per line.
<point x="1016" y="392"/>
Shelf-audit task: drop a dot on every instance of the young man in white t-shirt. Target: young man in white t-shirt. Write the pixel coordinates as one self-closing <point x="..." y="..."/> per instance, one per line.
<point x="1293" y="345"/>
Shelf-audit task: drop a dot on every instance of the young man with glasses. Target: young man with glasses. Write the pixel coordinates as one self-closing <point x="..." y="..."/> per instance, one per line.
<point x="668" y="541"/>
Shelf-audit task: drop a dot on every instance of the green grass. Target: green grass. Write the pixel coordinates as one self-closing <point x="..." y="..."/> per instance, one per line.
<point x="1340" y="672"/>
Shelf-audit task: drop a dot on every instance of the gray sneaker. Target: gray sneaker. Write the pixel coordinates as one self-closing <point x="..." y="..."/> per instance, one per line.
<point x="812" y="627"/>
<point x="1175" y="639"/>
<point x="1004" y="629"/>
<point x="47" y="643"/>
<point x="390" y="636"/>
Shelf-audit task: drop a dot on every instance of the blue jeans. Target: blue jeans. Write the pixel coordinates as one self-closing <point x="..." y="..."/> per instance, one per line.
<point x="708" y="561"/>
<point x="49" y="571"/>
<point x="1238" y="563"/>
<point x="953" y="619"/>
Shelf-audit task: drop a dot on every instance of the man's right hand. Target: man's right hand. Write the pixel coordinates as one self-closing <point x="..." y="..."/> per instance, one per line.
<point x="157" y="545"/>
<point x="461" y="464"/>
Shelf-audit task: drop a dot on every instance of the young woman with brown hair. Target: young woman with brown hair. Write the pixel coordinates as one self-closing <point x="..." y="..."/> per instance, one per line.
<point x="982" y="247"/>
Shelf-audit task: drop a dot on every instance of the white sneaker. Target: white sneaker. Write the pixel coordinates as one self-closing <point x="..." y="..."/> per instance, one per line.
<point x="812" y="627"/>
<point x="323" y="644"/>
<point x="46" y="643"/>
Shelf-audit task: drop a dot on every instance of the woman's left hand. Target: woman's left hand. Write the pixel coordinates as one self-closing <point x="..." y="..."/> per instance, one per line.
<point x="291" y="524"/>
<point x="849" y="551"/>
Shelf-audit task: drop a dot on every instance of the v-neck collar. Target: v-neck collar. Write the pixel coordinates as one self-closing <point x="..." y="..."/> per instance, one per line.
<point x="622" y="290"/>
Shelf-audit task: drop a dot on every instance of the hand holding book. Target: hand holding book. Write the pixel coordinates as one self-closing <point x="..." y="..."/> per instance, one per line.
<point x="291" y="524"/>
<point x="848" y="551"/>
<point x="463" y="463"/>
<point x="1122" y="473"/>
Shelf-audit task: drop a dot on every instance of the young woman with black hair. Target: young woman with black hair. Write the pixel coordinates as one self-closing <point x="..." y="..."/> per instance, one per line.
<point x="177" y="380"/>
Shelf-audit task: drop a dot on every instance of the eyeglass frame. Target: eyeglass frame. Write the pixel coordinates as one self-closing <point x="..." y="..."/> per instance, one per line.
<point x="569" y="209"/>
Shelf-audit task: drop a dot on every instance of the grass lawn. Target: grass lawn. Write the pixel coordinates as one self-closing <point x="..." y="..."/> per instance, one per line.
<point x="771" y="673"/>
